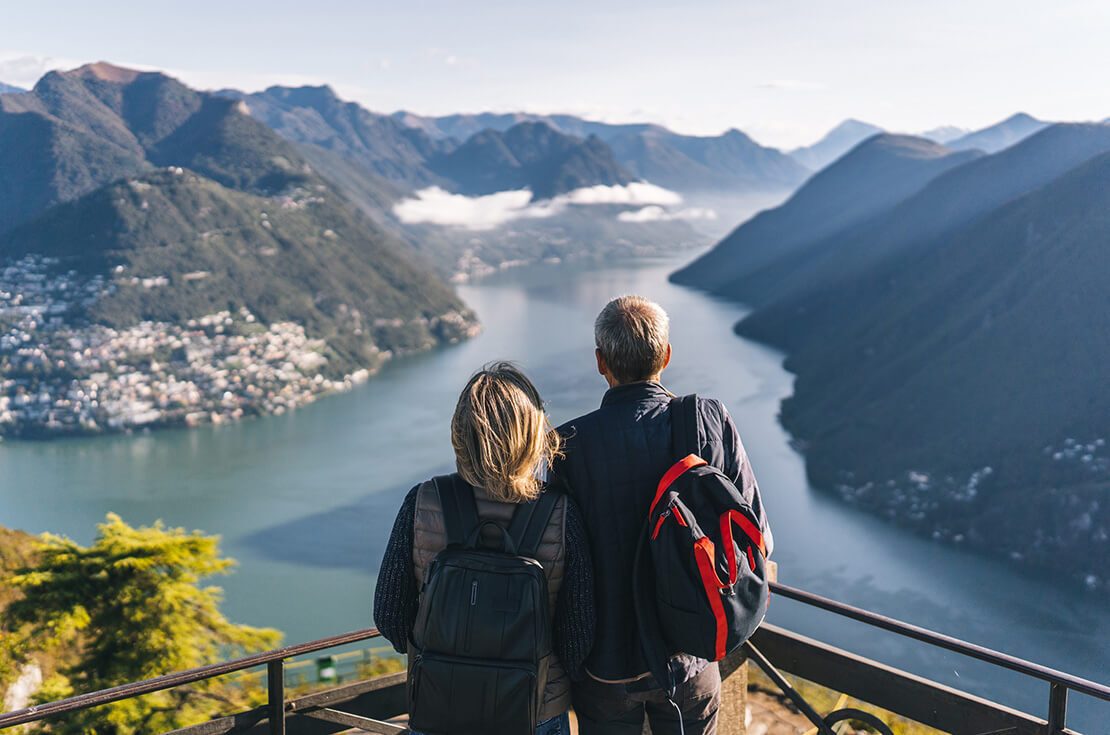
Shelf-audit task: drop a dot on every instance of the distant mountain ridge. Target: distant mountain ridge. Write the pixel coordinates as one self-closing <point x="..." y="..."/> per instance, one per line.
<point x="834" y="144"/>
<point x="685" y="163"/>
<point x="379" y="163"/>
<point x="849" y="133"/>
<point x="317" y="117"/>
<point x="945" y="134"/>
<point x="954" y="198"/>
<point x="1001" y="135"/>
<point x="530" y="155"/>
<point x="10" y="89"/>
<point x="876" y="174"/>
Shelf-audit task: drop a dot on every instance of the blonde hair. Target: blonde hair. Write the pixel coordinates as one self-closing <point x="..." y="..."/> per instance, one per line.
<point x="501" y="434"/>
<point x="632" y="334"/>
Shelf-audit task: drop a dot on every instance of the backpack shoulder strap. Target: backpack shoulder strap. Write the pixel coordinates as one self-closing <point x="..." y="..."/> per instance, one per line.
<point x="684" y="425"/>
<point x="522" y="517"/>
<point x="460" y="510"/>
<point x="530" y="521"/>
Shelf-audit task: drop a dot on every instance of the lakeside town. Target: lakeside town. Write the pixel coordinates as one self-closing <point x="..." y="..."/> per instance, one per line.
<point x="933" y="503"/>
<point x="59" y="376"/>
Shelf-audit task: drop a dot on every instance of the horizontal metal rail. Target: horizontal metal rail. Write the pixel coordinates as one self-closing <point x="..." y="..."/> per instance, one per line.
<point x="1060" y="680"/>
<point x="1006" y="661"/>
<point x="914" y="697"/>
<point x="179" y="678"/>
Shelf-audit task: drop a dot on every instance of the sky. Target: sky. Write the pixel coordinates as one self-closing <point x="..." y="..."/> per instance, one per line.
<point x="784" y="71"/>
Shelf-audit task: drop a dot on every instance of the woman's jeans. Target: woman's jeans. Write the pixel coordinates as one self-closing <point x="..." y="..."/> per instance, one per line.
<point x="558" y="725"/>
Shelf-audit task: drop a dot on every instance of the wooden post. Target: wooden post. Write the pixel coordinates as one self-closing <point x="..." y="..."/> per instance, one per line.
<point x="275" y="703"/>
<point x="732" y="718"/>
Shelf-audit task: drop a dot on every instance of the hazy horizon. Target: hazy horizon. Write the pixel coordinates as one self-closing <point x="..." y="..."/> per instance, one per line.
<point x="785" y="74"/>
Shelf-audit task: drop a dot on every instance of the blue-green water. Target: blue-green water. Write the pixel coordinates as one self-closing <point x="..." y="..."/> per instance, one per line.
<point x="305" y="501"/>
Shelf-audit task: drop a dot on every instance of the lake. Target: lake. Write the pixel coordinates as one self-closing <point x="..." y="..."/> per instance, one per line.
<point x="305" y="501"/>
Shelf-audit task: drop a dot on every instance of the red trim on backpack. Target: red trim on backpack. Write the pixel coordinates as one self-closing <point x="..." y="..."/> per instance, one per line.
<point x="713" y="587"/>
<point x="750" y="530"/>
<point x="658" y="525"/>
<point x="686" y="463"/>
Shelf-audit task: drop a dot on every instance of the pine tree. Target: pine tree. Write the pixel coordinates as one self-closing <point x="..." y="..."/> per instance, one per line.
<point x="133" y="606"/>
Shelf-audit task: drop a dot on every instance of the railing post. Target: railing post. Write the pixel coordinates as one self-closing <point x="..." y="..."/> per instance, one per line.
<point x="732" y="719"/>
<point x="275" y="685"/>
<point x="1057" y="708"/>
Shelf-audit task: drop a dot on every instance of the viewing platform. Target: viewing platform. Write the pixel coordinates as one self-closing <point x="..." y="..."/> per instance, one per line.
<point x="368" y="705"/>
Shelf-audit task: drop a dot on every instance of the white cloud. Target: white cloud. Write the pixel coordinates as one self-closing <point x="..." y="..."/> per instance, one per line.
<point x="638" y="192"/>
<point x="436" y="206"/>
<point x="791" y="85"/>
<point x="449" y="58"/>
<point x="655" y="213"/>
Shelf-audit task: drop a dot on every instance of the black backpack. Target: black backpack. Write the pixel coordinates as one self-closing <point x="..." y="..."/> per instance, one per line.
<point x="701" y="582"/>
<point x="481" y="643"/>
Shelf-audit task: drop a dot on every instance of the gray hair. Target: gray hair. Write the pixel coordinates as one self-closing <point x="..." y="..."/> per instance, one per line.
<point x="632" y="334"/>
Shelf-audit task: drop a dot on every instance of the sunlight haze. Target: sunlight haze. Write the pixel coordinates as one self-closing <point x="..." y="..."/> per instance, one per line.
<point x="784" y="72"/>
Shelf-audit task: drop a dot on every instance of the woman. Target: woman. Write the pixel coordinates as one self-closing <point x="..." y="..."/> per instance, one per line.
<point x="503" y="445"/>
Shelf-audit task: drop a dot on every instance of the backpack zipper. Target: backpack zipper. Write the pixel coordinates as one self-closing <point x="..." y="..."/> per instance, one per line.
<point x="672" y="511"/>
<point x="470" y="613"/>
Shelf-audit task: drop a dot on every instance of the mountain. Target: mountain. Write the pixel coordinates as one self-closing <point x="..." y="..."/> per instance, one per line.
<point x="949" y="347"/>
<point x="496" y="152"/>
<point x="305" y="257"/>
<point x="530" y="155"/>
<point x="944" y="134"/>
<point x="464" y="125"/>
<point x="135" y="203"/>
<point x="10" y="89"/>
<point x="379" y="162"/>
<point x="684" y="163"/>
<point x="461" y="126"/>
<point x="876" y="174"/>
<point x="1000" y="135"/>
<point x="807" y="299"/>
<point x="838" y="141"/>
<point x="962" y="389"/>
<point x="689" y="163"/>
<point x="957" y="331"/>
<point x="769" y="264"/>
<point x="80" y="129"/>
<point x="319" y="120"/>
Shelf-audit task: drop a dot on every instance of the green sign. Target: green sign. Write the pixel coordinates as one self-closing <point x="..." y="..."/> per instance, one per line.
<point x="325" y="669"/>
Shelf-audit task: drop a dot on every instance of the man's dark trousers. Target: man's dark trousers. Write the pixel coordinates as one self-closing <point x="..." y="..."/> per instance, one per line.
<point x="619" y="709"/>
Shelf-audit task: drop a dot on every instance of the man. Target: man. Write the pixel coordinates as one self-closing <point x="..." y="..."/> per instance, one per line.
<point x="614" y="458"/>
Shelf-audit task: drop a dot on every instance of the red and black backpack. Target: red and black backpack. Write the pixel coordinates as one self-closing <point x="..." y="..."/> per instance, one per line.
<point x="701" y="581"/>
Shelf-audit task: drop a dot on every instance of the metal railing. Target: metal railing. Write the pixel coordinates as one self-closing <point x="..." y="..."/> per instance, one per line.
<point x="275" y="677"/>
<point x="914" y="697"/>
<point x="1059" y="682"/>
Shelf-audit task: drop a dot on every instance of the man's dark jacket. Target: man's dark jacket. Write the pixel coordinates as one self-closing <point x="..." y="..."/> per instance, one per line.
<point x="614" y="458"/>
